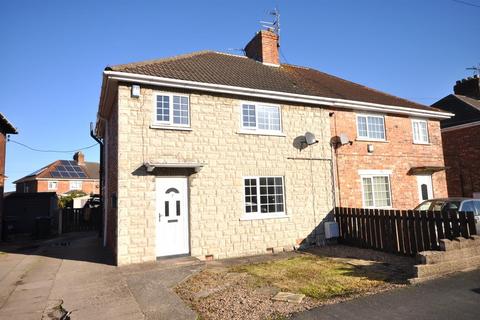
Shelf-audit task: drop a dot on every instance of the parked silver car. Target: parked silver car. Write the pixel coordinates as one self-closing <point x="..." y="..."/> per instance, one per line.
<point x="460" y="204"/>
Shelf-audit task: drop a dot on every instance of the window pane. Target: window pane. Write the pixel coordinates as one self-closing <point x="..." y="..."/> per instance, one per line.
<point x="248" y="115"/>
<point x="381" y="191"/>
<point x="180" y="110"/>
<point x="367" y="192"/>
<point x="271" y="194"/>
<point x="362" y="127"/>
<point x="376" y="128"/>
<point x="163" y="108"/>
<point x="420" y="131"/>
<point x="251" y="200"/>
<point x="268" y="118"/>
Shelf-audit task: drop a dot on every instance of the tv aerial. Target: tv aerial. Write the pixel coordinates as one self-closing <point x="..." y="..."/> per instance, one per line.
<point x="273" y="26"/>
<point x="475" y="70"/>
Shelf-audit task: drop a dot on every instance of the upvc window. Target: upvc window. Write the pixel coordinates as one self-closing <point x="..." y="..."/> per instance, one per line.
<point x="376" y="191"/>
<point x="172" y="110"/>
<point x="371" y="127"/>
<point x="52" y="185"/>
<point x="264" y="197"/>
<point x="420" y="131"/>
<point x="75" y="185"/>
<point x="261" y="117"/>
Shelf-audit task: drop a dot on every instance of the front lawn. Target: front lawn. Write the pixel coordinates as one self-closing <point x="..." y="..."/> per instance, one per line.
<point x="245" y="291"/>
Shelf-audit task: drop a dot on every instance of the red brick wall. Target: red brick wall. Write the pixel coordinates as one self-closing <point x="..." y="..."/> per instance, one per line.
<point x="263" y="47"/>
<point x="62" y="186"/>
<point x="462" y="157"/>
<point x="398" y="154"/>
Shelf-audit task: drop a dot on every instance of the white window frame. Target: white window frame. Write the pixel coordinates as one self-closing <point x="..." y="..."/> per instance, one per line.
<point x="26" y="188"/>
<point x="50" y="185"/>
<point x="366" y="115"/>
<point x="258" y="214"/>
<point x="416" y="141"/>
<point x="78" y="182"/>
<point x="376" y="173"/>
<point x="169" y="124"/>
<point x="256" y="130"/>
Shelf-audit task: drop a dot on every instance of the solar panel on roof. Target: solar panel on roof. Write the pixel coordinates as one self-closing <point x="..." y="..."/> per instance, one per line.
<point x="68" y="169"/>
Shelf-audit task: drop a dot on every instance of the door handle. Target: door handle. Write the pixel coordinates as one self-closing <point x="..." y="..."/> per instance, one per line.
<point x="159" y="217"/>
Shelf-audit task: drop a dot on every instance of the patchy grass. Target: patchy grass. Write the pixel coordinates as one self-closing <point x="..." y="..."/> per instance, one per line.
<point x="244" y="291"/>
<point x="316" y="277"/>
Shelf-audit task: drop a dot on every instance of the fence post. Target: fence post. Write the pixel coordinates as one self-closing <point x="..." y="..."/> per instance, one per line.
<point x="60" y="221"/>
<point x="463" y="224"/>
<point x="471" y="223"/>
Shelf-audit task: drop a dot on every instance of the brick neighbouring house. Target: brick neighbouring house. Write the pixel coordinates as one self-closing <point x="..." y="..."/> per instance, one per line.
<point x="461" y="138"/>
<point x="62" y="176"/>
<point x="5" y="128"/>
<point x="205" y="153"/>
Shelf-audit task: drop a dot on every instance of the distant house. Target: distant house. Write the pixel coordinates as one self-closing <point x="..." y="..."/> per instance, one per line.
<point x="63" y="176"/>
<point x="461" y="138"/>
<point x="5" y="128"/>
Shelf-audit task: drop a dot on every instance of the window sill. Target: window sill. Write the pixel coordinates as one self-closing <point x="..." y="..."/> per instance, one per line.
<point x="263" y="217"/>
<point x="164" y="127"/>
<point x="262" y="133"/>
<point x="371" y="140"/>
<point x="423" y="143"/>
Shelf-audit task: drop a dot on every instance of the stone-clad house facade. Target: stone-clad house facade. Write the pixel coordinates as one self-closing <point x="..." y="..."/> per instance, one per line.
<point x="211" y="155"/>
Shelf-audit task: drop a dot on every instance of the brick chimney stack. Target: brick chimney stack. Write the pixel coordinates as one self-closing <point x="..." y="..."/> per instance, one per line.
<point x="264" y="48"/>
<point x="469" y="87"/>
<point x="79" y="158"/>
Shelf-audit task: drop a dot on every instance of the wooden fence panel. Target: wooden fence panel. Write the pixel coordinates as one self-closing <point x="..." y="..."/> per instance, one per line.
<point x="455" y="227"/>
<point x="431" y="230"/>
<point x="399" y="231"/>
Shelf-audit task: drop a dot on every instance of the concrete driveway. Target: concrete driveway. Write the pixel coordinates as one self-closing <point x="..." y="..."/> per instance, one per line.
<point x="75" y="274"/>
<point x="454" y="297"/>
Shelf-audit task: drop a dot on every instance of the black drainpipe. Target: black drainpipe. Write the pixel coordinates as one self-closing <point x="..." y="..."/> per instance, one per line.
<point x="100" y="142"/>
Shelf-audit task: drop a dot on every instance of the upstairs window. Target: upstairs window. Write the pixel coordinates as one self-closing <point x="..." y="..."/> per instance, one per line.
<point x="420" y="131"/>
<point x="371" y="127"/>
<point x="75" y="185"/>
<point x="52" y="185"/>
<point x="172" y="110"/>
<point x="260" y="117"/>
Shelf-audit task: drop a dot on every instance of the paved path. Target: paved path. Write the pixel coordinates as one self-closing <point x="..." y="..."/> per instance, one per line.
<point x="77" y="274"/>
<point x="454" y="297"/>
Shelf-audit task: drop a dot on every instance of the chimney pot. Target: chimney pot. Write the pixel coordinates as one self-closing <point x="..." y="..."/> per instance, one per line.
<point x="264" y="47"/>
<point x="79" y="158"/>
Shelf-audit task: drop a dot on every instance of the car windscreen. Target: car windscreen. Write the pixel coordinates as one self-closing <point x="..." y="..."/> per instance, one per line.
<point x="424" y="205"/>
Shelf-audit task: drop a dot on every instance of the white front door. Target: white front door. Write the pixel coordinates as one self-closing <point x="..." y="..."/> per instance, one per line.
<point x="425" y="188"/>
<point x="172" y="216"/>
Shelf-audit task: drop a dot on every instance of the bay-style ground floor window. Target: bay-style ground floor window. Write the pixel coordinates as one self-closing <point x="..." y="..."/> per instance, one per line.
<point x="264" y="197"/>
<point x="376" y="188"/>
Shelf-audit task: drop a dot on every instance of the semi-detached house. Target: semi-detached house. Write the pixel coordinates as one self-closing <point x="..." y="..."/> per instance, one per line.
<point x="216" y="155"/>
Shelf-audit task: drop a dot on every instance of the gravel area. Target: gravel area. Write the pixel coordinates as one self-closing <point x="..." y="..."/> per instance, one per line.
<point x="219" y="292"/>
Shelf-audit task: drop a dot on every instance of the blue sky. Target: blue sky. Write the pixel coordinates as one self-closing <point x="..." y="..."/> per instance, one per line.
<point x="53" y="53"/>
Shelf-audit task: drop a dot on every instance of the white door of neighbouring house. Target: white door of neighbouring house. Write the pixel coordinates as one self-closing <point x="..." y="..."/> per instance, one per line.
<point x="172" y="216"/>
<point x="425" y="187"/>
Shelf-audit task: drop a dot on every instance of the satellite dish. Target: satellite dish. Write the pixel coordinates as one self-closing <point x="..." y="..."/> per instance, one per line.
<point x="310" y="138"/>
<point x="344" y="139"/>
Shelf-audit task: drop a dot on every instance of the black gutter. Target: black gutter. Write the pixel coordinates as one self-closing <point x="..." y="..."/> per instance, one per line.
<point x="100" y="142"/>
